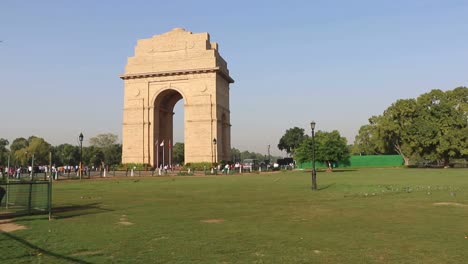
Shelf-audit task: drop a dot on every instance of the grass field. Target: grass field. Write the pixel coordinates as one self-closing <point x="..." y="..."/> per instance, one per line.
<point x="357" y="216"/>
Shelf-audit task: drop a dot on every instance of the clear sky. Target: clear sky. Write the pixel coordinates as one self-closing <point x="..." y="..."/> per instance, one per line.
<point x="335" y="62"/>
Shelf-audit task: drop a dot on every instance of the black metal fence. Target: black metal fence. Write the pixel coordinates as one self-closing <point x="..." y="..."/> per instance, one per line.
<point x="25" y="197"/>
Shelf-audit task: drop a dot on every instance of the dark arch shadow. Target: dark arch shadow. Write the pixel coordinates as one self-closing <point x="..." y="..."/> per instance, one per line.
<point x="42" y="250"/>
<point x="69" y="211"/>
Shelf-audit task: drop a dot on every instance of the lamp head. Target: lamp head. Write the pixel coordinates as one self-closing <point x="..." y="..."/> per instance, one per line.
<point x="80" y="137"/>
<point x="214" y="141"/>
<point x="312" y="125"/>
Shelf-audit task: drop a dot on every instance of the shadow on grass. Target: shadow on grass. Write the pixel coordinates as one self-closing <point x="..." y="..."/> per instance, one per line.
<point x="42" y="250"/>
<point x="61" y="212"/>
<point x="341" y="170"/>
<point x="326" y="186"/>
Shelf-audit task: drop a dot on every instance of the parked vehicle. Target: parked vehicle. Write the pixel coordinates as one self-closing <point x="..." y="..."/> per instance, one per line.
<point x="250" y="164"/>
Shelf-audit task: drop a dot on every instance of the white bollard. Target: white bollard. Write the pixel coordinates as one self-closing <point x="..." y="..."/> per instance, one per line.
<point x="131" y="173"/>
<point x="104" y="174"/>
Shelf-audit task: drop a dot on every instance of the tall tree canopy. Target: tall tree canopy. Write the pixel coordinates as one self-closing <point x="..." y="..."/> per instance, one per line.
<point x="364" y="142"/>
<point x="66" y="154"/>
<point x="104" y="140"/>
<point x="18" y="143"/>
<point x="3" y="150"/>
<point x="107" y="144"/>
<point x="291" y="139"/>
<point x="178" y="153"/>
<point x="432" y="126"/>
<point x="330" y="147"/>
<point x="25" y="149"/>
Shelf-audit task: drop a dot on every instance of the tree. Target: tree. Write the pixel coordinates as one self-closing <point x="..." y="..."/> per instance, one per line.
<point x="104" y="140"/>
<point x="107" y="143"/>
<point x="66" y="154"/>
<point x="93" y="156"/>
<point x="41" y="149"/>
<point x="178" y="153"/>
<point x="235" y="154"/>
<point x="25" y="149"/>
<point x="3" y="150"/>
<point x="18" y="143"/>
<point x="291" y="139"/>
<point x="113" y="154"/>
<point x="432" y="126"/>
<point x="330" y="147"/>
<point x="251" y="155"/>
<point x="441" y="128"/>
<point x="365" y="142"/>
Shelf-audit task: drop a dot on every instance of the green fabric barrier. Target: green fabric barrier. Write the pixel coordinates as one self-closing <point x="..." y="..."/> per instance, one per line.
<point x="361" y="161"/>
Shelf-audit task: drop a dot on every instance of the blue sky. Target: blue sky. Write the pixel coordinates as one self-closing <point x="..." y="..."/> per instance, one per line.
<point x="335" y="62"/>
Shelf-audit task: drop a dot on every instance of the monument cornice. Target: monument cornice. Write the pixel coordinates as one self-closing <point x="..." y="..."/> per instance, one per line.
<point x="177" y="72"/>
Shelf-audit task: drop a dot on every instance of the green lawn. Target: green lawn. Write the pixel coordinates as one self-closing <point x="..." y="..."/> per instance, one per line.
<point x="358" y="216"/>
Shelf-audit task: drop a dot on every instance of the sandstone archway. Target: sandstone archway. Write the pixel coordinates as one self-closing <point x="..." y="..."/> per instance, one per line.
<point x="166" y="68"/>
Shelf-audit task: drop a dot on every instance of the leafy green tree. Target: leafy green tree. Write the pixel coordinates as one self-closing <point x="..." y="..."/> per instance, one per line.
<point x="107" y="143"/>
<point x="3" y="150"/>
<point x="235" y="154"/>
<point x="93" y="156"/>
<point x="34" y="146"/>
<point x="392" y="129"/>
<point x="18" y="143"/>
<point x="238" y="155"/>
<point x="178" y="152"/>
<point x="364" y="142"/>
<point x="432" y="126"/>
<point x="330" y="147"/>
<point x="103" y="140"/>
<point x="66" y="154"/>
<point x="251" y="155"/>
<point x="113" y="154"/>
<point x="441" y="130"/>
<point x="41" y="150"/>
<point x="291" y="139"/>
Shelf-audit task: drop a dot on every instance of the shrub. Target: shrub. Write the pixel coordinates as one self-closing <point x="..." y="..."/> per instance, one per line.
<point x="137" y="166"/>
<point x="199" y="166"/>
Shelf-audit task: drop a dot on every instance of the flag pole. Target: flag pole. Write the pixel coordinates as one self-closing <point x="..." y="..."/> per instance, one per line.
<point x="157" y="153"/>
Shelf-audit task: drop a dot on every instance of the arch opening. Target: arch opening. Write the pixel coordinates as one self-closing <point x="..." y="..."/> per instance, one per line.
<point x="163" y="134"/>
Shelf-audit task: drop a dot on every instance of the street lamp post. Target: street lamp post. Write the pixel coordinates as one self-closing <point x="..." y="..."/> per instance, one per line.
<point x="32" y="167"/>
<point x="80" y="137"/>
<point x="269" y="157"/>
<point x="314" y="172"/>
<point x="214" y="150"/>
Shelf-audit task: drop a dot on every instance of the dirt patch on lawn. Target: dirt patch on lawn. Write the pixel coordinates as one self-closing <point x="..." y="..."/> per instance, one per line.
<point x="86" y="253"/>
<point x="212" y="221"/>
<point x="7" y="226"/>
<point x="450" y="204"/>
<point x="125" y="223"/>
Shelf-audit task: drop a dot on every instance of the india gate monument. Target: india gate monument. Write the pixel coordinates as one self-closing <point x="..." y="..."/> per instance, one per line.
<point x="177" y="65"/>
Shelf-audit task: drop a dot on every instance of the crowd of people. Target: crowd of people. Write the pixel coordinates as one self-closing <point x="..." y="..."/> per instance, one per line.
<point x="18" y="172"/>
